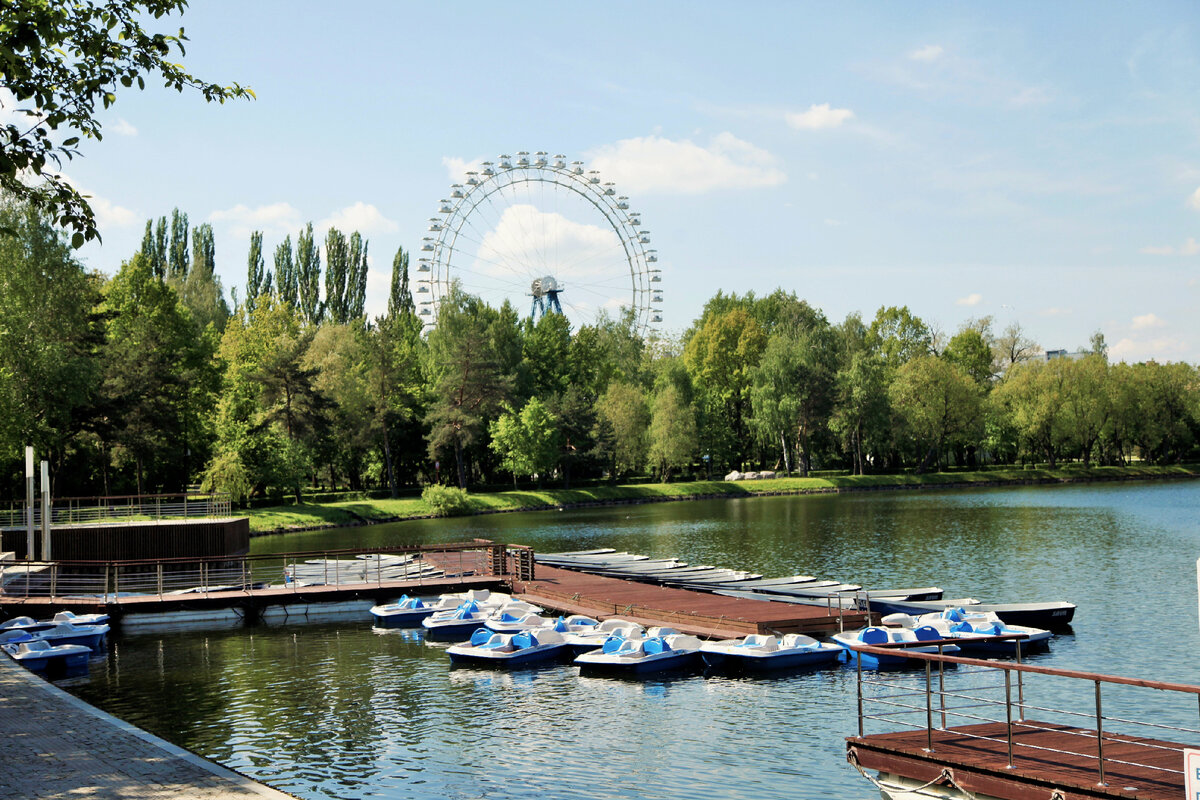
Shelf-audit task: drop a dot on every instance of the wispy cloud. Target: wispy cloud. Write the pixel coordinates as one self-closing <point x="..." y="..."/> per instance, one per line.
<point x="457" y="168"/>
<point x="1194" y="199"/>
<point x="1189" y="248"/>
<point x="930" y="52"/>
<point x="657" y="164"/>
<point x="122" y="127"/>
<point x="362" y="217"/>
<point x="1145" y="321"/>
<point x="276" y="218"/>
<point x="973" y="299"/>
<point x="818" y="117"/>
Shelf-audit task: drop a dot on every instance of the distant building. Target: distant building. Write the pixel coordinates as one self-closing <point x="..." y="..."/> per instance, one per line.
<point x="1053" y="354"/>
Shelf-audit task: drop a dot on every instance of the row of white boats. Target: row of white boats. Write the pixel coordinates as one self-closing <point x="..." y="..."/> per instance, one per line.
<point x="58" y="647"/>
<point x="495" y="629"/>
<point x="801" y="589"/>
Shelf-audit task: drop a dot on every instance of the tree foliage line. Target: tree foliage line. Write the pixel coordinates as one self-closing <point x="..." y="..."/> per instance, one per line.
<point x="151" y="380"/>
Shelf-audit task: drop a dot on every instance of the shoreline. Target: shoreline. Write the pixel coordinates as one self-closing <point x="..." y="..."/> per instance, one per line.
<point x="374" y="512"/>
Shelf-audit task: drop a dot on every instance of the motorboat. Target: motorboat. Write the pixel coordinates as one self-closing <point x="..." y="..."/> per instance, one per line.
<point x="38" y="655"/>
<point x="509" y="649"/>
<point x="407" y="612"/>
<point x="640" y="656"/>
<point x="761" y="653"/>
<point x="905" y="638"/>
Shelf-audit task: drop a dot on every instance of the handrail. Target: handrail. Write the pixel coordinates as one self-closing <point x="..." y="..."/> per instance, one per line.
<point x="1031" y="668"/>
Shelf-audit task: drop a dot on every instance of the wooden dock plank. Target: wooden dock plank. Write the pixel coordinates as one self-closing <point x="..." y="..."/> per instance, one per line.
<point x="702" y="613"/>
<point x="1044" y="755"/>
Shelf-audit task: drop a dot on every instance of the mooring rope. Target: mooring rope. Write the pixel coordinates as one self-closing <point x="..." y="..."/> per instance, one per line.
<point x="946" y="775"/>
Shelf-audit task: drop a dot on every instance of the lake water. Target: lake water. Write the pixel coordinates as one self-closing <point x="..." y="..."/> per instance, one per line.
<point x="340" y="711"/>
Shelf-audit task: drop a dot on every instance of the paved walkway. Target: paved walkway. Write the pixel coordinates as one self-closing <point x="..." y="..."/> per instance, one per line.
<point x="53" y="745"/>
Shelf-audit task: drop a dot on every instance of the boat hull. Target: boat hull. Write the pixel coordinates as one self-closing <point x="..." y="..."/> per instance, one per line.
<point x="772" y="662"/>
<point x="478" y="657"/>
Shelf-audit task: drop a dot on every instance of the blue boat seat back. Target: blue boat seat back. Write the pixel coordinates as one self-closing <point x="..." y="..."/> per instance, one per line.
<point x="990" y="628"/>
<point x="524" y="639"/>
<point x="873" y="635"/>
<point x="403" y="601"/>
<point x="954" y="614"/>
<point x="612" y="644"/>
<point x="465" y="610"/>
<point x="963" y="627"/>
<point x="561" y="626"/>
<point x="653" y="646"/>
<point x="507" y="617"/>
<point x="927" y="633"/>
<point x="480" y="636"/>
<point x="629" y="647"/>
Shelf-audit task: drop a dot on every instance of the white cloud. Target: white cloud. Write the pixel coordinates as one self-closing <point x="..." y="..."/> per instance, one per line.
<point x="1194" y="199"/>
<point x="1029" y="96"/>
<point x="1157" y="250"/>
<point x="122" y="128"/>
<point x="580" y="251"/>
<point x="277" y="218"/>
<point x="1189" y="248"/>
<point x="657" y="164"/>
<point x="362" y="217"/>
<point x="457" y="168"/>
<point x="818" y="117"/>
<point x="1145" y="321"/>
<point x="930" y="52"/>
<point x="973" y="299"/>
<point x="1160" y="349"/>
<point x="110" y="215"/>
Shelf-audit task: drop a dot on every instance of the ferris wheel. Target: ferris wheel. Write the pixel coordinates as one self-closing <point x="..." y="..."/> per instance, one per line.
<point x="547" y="236"/>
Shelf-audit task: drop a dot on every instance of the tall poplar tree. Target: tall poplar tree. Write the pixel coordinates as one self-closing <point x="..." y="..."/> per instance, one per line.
<point x="400" y="300"/>
<point x="356" y="278"/>
<point x="286" y="285"/>
<point x="308" y="276"/>
<point x="258" y="280"/>
<point x="177" y="257"/>
<point x="337" y="267"/>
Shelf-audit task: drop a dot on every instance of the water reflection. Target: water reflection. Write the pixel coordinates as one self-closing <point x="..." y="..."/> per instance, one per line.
<point x="342" y="710"/>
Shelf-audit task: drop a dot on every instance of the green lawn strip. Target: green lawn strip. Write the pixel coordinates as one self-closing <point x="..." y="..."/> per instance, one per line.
<point x="297" y="517"/>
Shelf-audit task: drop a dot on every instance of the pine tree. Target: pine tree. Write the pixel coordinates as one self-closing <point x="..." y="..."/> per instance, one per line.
<point x="308" y="276"/>
<point x="177" y="259"/>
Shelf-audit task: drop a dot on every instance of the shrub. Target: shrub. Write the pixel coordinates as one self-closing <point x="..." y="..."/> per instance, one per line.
<point x="446" y="501"/>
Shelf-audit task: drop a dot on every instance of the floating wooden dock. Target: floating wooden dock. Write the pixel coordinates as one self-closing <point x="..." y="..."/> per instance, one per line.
<point x="1001" y="754"/>
<point x="698" y="613"/>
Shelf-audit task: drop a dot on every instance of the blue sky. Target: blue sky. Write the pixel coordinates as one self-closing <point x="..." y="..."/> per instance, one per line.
<point x="1036" y="162"/>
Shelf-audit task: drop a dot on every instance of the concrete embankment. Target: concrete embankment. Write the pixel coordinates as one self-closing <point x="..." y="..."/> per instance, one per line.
<point x="57" y="746"/>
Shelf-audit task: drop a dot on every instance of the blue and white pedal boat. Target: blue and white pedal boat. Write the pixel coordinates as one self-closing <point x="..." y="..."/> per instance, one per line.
<point x="455" y="624"/>
<point x="592" y="637"/>
<point x="38" y="655"/>
<point x="493" y="649"/>
<point x="876" y="636"/>
<point x="641" y="656"/>
<point x="761" y="653"/>
<point x="407" y="612"/>
<point x="975" y="632"/>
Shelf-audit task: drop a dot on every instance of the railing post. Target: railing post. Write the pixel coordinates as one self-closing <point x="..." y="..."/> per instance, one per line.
<point x="158" y="570"/>
<point x="54" y="579"/>
<point x="858" y="661"/>
<point x="1020" y="686"/>
<point x="1100" y="736"/>
<point x="116" y="583"/>
<point x="942" y="685"/>
<point x="928" y="707"/>
<point x="106" y="579"/>
<point x="1008" y="714"/>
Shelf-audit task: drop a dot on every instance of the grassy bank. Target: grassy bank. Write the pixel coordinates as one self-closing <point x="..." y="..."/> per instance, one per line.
<point x="279" y="519"/>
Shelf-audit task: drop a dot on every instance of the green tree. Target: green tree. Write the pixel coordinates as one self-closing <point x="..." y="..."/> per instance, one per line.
<point x="337" y="270"/>
<point x="939" y="403"/>
<point x="356" y="278"/>
<point x="623" y="421"/>
<point x="64" y="61"/>
<point x="1032" y="396"/>
<point x="547" y="348"/>
<point x="527" y="442"/>
<point x="469" y="382"/>
<point x="286" y="279"/>
<point x="971" y="352"/>
<point x="900" y="336"/>
<point x="49" y="335"/>
<point x="721" y="356"/>
<point x="177" y="255"/>
<point x="201" y="290"/>
<point x="308" y="276"/>
<point x="400" y="299"/>
<point x="258" y="278"/>
<point x="672" y="432"/>
<point x="793" y="390"/>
